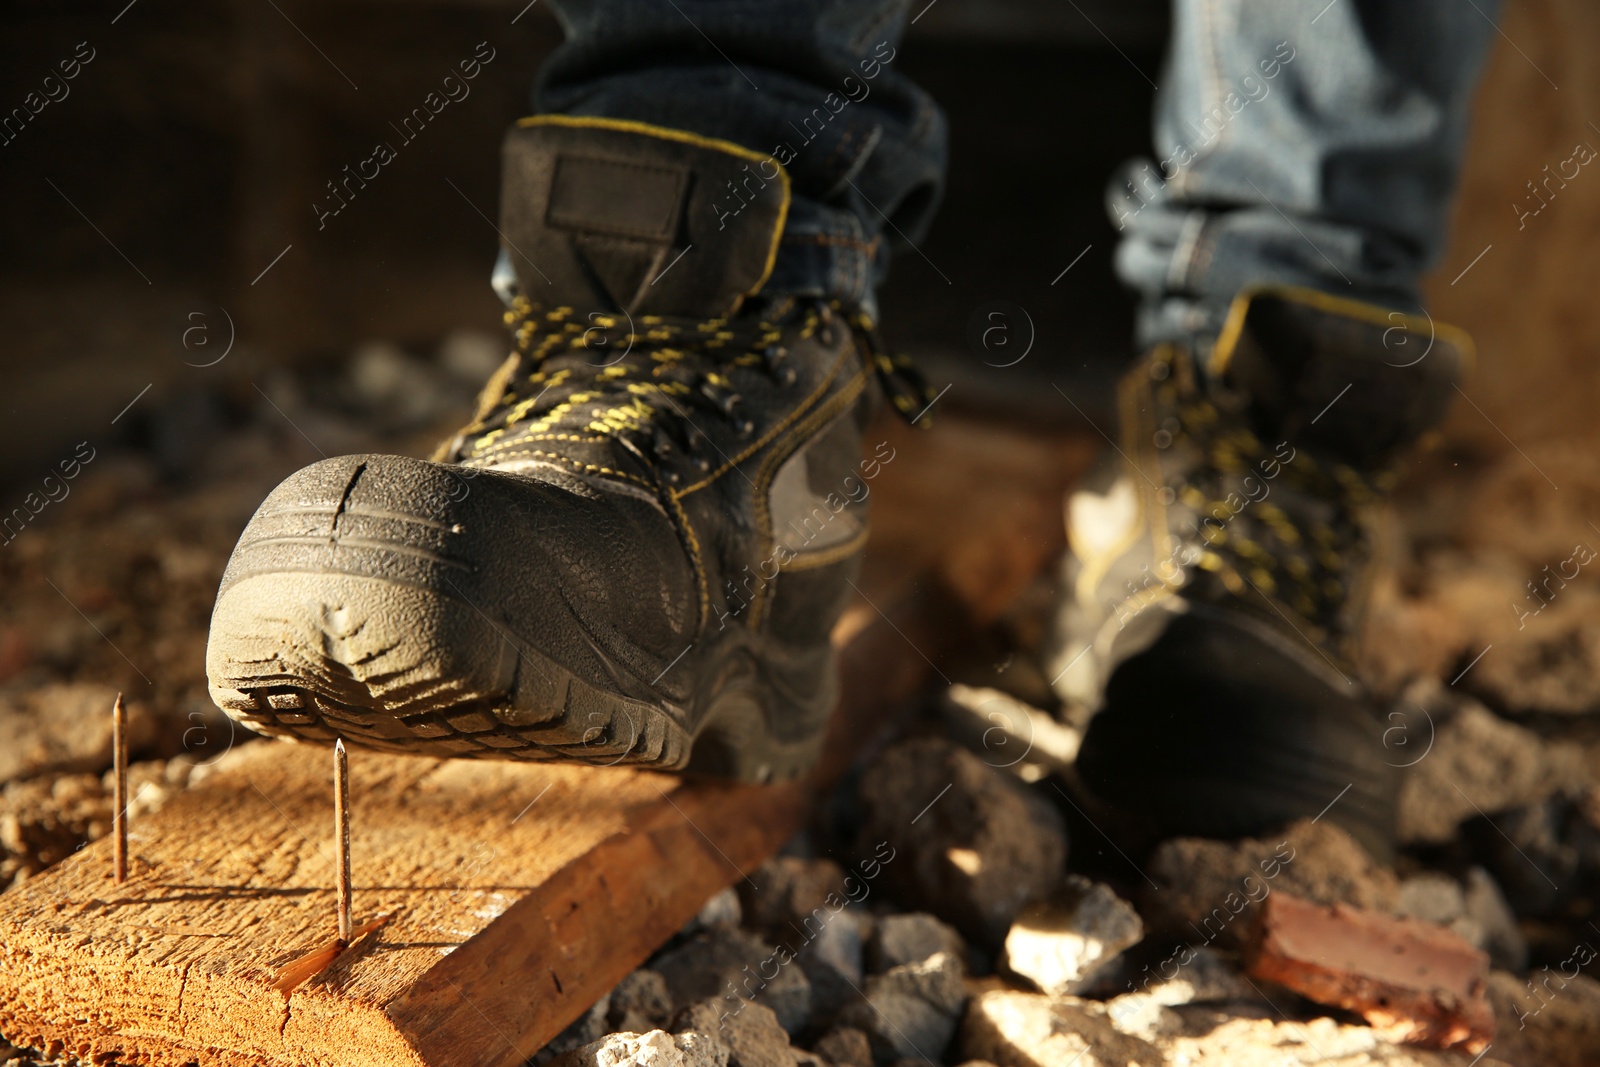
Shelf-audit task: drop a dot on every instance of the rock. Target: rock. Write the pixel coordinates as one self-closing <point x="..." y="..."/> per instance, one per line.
<point x="1584" y="830"/>
<point x="1478" y="912"/>
<point x="1210" y="889"/>
<point x="1185" y="976"/>
<point x="911" y="938"/>
<point x="791" y="891"/>
<point x="1500" y="936"/>
<point x="585" y="1031"/>
<point x="1012" y="1029"/>
<point x="751" y="1032"/>
<point x="1057" y="943"/>
<point x="832" y="962"/>
<point x="1238" y="1038"/>
<point x="1437" y="898"/>
<point x="911" y="1010"/>
<point x="900" y="1026"/>
<point x="838" y="946"/>
<point x="1416" y="981"/>
<point x="845" y="1046"/>
<point x="1536" y="853"/>
<point x="151" y="783"/>
<point x="656" y="1048"/>
<point x="939" y="980"/>
<point x="721" y="910"/>
<point x="1141" y="1015"/>
<point x="721" y="963"/>
<point x="1432" y="897"/>
<point x="640" y="1002"/>
<point x="1479" y="763"/>
<point x="1546" y="1019"/>
<point x="801" y="906"/>
<point x="64" y="728"/>
<point x="1208" y="977"/>
<point x="972" y="845"/>
<point x="701" y="1049"/>
<point x="1551" y="666"/>
<point x="43" y="821"/>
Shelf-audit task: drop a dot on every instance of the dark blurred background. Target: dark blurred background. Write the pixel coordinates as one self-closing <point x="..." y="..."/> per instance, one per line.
<point x="160" y="215"/>
<point x="145" y="213"/>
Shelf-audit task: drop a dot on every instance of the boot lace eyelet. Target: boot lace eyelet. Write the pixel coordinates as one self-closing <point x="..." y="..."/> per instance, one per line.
<point x="677" y="379"/>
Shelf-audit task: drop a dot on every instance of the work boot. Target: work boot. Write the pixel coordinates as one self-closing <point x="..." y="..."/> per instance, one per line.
<point x="1215" y="588"/>
<point x="637" y="549"/>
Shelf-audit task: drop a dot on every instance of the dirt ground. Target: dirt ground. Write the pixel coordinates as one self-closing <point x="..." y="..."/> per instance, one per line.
<point x="1487" y="653"/>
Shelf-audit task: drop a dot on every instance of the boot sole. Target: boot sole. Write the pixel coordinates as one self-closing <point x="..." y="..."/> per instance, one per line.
<point x="316" y="655"/>
<point x="1218" y="730"/>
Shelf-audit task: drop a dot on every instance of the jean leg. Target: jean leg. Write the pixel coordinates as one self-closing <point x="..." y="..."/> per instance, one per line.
<point x="1301" y="142"/>
<point x="812" y="82"/>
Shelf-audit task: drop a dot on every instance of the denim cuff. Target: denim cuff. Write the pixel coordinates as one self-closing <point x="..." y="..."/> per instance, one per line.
<point x="1189" y="261"/>
<point x="824" y="252"/>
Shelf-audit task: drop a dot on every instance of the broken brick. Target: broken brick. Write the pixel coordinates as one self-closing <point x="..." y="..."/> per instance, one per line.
<point x="1417" y="982"/>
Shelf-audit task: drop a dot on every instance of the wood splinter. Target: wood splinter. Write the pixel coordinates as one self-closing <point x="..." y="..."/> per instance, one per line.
<point x="119" y="815"/>
<point x="297" y="972"/>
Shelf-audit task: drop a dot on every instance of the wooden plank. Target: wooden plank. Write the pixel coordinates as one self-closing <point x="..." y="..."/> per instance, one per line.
<point x="520" y="894"/>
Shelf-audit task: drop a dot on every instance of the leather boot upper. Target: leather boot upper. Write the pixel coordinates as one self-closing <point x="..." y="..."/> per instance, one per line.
<point x="1249" y="479"/>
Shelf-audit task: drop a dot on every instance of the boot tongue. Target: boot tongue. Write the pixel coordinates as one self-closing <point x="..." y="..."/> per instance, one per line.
<point x="1345" y="379"/>
<point x="604" y="215"/>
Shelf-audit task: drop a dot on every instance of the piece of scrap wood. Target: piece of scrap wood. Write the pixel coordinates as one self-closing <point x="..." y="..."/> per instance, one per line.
<point x="518" y="894"/>
<point x="1417" y="982"/>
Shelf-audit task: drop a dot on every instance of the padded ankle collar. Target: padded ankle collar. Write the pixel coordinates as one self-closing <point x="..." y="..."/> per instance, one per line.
<point x="595" y="214"/>
<point x="1346" y="378"/>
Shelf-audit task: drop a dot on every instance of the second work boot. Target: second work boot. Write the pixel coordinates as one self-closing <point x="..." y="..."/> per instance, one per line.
<point x="637" y="550"/>
<point x="1216" y="587"/>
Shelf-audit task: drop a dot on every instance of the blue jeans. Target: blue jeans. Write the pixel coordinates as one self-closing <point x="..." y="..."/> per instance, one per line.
<point x="1298" y="142"/>
<point x="813" y="82"/>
